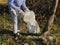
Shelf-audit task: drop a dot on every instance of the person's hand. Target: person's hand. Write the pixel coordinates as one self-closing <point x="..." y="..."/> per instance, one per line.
<point x="26" y="10"/>
<point x="21" y="12"/>
<point x="17" y="9"/>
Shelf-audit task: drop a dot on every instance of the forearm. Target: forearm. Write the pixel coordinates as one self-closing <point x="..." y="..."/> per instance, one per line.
<point x="26" y="9"/>
<point x="11" y="4"/>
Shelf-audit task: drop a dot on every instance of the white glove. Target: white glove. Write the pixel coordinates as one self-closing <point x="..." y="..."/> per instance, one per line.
<point x="19" y="11"/>
<point x="26" y="10"/>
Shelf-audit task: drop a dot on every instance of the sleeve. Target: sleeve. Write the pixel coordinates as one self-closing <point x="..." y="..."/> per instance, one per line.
<point x="11" y="4"/>
<point x="24" y="5"/>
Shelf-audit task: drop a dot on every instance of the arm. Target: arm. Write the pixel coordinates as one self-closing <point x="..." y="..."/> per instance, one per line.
<point x="24" y="6"/>
<point x="11" y="4"/>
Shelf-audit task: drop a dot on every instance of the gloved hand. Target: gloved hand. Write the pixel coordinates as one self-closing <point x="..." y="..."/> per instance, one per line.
<point x="26" y="10"/>
<point x="19" y="11"/>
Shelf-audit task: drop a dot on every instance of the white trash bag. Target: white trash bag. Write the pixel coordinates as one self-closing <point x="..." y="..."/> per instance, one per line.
<point x="32" y="25"/>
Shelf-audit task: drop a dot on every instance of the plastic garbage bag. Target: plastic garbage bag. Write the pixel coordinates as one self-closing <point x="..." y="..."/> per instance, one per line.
<point x="32" y="25"/>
